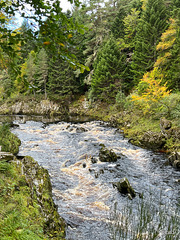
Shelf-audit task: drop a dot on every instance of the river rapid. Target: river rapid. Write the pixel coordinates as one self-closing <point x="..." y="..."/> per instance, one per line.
<point x="82" y="189"/>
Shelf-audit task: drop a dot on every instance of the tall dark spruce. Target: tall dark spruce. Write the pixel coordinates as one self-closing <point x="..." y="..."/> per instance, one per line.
<point x="152" y="24"/>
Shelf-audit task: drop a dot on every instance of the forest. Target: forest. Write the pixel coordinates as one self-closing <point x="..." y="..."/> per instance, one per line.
<point x="106" y="49"/>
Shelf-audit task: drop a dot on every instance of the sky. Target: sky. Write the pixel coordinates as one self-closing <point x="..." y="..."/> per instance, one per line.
<point x="65" y="5"/>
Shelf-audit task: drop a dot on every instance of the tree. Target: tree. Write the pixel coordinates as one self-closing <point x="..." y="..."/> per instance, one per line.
<point x="152" y="24"/>
<point x="169" y="55"/>
<point x="150" y="90"/>
<point x="117" y="27"/>
<point x="94" y="17"/>
<point x="61" y="78"/>
<point x="48" y="29"/>
<point x="109" y="69"/>
<point x="42" y="71"/>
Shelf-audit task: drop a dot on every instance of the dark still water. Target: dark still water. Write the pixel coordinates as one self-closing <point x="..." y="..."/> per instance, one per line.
<point x="83" y="190"/>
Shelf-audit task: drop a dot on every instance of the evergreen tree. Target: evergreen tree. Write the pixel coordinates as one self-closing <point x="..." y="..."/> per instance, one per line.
<point x="31" y="71"/>
<point x="95" y="19"/>
<point x="28" y="42"/>
<point x="42" y="71"/>
<point x="61" y="79"/>
<point x="117" y="27"/>
<point x="152" y="24"/>
<point x="109" y="70"/>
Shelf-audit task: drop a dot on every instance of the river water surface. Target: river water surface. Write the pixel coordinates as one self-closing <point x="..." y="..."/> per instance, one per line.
<point x="83" y="190"/>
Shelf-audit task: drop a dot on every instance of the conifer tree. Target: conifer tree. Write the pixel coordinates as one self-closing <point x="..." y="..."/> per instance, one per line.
<point x="31" y="71"/>
<point x="95" y="19"/>
<point x="117" y="27"/>
<point x="109" y="70"/>
<point x="42" y="71"/>
<point x="152" y="24"/>
<point x="61" y="79"/>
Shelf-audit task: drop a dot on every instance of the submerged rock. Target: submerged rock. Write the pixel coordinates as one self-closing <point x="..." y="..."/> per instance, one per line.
<point x="80" y="130"/>
<point x="106" y="155"/>
<point x="124" y="187"/>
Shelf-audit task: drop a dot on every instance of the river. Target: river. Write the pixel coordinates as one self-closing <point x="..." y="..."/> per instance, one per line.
<point x="82" y="189"/>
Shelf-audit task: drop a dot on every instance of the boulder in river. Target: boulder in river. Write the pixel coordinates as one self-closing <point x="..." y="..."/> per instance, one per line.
<point x="80" y="130"/>
<point x="106" y="155"/>
<point x="125" y="187"/>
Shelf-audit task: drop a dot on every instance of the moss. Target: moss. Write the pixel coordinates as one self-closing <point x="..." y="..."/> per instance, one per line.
<point x="8" y="141"/>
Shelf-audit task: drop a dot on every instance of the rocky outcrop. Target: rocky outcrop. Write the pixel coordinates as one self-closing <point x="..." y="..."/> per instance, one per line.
<point x="106" y="155"/>
<point x="174" y="159"/>
<point x="39" y="183"/>
<point x="43" y="107"/>
<point x="124" y="187"/>
<point x="153" y="140"/>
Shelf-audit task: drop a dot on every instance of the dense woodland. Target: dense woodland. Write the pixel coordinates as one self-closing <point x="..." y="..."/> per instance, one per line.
<point x="107" y="49"/>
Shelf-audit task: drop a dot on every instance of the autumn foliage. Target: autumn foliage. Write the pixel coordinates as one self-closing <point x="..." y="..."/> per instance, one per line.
<point x="150" y="90"/>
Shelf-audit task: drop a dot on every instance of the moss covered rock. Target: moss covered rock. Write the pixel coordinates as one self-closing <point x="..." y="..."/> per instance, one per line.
<point x="124" y="187"/>
<point x="106" y="155"/>
<point x="39" y="182"/>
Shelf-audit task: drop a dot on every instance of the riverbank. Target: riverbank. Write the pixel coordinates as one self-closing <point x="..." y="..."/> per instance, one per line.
<point x="156" y="130"/>
<point x="151" y="131"/>
<point x="27" y="207"/>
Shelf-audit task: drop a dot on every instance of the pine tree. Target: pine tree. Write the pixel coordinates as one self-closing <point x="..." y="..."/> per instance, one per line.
<point x="61" y="79"/>
<point x="117" y="27"/>
<point x="95" y="19"/>
<point x="109" y="70"/>
<point x="42" y="71"/>
<point x="152" y="24"/>
<point x="31" y="71"/>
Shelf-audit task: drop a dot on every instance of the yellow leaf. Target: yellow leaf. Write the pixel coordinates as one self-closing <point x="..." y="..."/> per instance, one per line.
<point x="70" y="36"/>
<point x="46" y="43"/>
<point x="61" y="44"/>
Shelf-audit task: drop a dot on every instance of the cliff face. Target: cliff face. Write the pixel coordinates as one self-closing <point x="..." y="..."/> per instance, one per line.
<point x="43" y="107"/>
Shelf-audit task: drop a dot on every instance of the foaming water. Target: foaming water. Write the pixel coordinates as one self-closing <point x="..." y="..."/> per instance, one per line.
<point x="83" y="190"/>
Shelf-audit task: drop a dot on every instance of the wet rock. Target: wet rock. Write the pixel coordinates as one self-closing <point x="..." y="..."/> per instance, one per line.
<point x="106" y="155"/>
<point x="81" y="130"/>
<point x="124" y="187"/>
<point x="174" y="159"/>
<point x="94" y="160"/>
<point x="153" y="140"/>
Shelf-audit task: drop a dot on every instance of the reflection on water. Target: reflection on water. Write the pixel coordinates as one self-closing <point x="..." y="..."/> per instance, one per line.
<point x="83" y="190"/>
